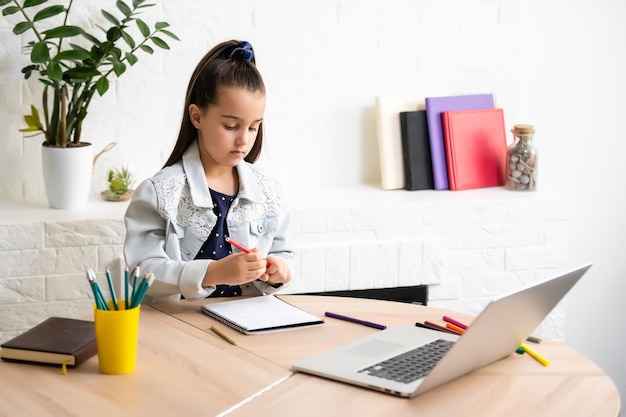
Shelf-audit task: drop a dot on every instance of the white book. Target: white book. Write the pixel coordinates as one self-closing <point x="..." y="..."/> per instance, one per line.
<point x="388" y="110"/>
<point x="262" y="314"/>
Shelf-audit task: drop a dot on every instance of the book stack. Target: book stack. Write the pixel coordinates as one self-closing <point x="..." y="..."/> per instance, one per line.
<point x="452" y="143"/>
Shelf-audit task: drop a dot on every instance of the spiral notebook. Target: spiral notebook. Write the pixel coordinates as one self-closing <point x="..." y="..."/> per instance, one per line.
<point x="262" y="314"/>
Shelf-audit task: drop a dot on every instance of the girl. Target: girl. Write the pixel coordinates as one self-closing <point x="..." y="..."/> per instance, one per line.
<point x="178" y="220"/>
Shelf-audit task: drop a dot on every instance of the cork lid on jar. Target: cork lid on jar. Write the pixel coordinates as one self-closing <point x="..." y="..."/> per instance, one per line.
<point x="523" y="130"/>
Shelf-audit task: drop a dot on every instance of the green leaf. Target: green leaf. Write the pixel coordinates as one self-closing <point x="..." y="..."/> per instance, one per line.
<point x="129" y="39"/>
<point x="123" y="8"/>
<point x="40" y="53"/>
<point x="22" y="27"/>
<point x="118" y="67"/>
<point x="28" y="70"/>
<point x="78" y="48"/>
<point x="31" y="121"/>
<point x="114" y="34"/>
<point x="170" y="34"/>
<point x="91" y="38"/>
<point x="54" y="71"/>
<point x="97" y="52"/>
<point x="161" y="25"/>
<point x="36" y="134"/>
<point x="132" y="59"/>
<point x="10" y="10"/>
<point x="66" y="31"/>
<point x="5" y="2"/>
<point x="111" y="18"/>
<point x="143" y="28"/>
<point x="48" y="12"/>
<point x="137" y="3"/>
<point x="81" y="73"/>
<point x="143" y="6"/>
<point x="147" y="49"/>
<point x="30" y="129"/>
<point x="102" y="85"/>
<point x="160" y="43"/>
<point x="31" y="3"/>
<point x="72" y="55"/>
<point x="47" y="82"/>
<point x="35" y="114"/>
<point x="116" y="52"/>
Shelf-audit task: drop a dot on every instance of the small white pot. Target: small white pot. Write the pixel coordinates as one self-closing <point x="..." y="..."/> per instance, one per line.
<point x="67" y="175"/>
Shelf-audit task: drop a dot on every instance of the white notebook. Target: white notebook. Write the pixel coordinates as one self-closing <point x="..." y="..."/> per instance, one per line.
<point x="262" y="314"/>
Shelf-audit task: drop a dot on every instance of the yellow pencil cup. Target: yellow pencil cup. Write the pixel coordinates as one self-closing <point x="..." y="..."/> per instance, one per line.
<point x="116" y="337"/>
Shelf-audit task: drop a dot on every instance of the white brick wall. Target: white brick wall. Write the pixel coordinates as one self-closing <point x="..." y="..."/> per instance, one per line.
<point x="468" y="246"/>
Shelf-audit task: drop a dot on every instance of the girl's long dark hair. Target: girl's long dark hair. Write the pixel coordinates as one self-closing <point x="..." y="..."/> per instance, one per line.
<point x="219" y="68"/>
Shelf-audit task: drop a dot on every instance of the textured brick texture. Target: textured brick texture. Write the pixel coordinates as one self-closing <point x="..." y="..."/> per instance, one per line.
<point x="468" y="252"/>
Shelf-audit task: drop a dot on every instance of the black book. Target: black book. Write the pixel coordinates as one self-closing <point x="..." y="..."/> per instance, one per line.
<point x="418" y="167"/>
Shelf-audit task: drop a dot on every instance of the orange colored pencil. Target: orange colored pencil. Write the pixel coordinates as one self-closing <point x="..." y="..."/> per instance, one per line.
<point x="456" y="329"/>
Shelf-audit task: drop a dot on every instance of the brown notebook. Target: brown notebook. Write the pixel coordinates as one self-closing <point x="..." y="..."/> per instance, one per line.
<point x="54" y="341"/>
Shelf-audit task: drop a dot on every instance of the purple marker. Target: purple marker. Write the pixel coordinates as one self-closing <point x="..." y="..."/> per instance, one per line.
<point x="353" y="320"/>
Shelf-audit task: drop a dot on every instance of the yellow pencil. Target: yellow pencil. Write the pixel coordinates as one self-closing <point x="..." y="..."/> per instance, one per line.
<point x="536" y="356"/>
<point x="223" y="335"/>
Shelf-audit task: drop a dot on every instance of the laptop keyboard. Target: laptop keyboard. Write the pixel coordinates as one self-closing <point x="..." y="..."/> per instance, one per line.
<point x="412" y="365"/>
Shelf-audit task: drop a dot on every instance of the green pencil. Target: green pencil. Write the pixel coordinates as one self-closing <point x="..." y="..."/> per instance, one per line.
<point x="147" y="281"/>
<point x="126" y="304"/>
<point x="111" y="289"/>
<point x="101" y="303"/>
<point x="135" y="279"/>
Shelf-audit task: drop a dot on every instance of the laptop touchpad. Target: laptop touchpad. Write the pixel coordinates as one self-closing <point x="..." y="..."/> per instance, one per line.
<point x="373" y="348"/>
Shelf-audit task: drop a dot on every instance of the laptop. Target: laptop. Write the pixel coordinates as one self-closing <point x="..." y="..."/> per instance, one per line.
<point x="497" y="332"/>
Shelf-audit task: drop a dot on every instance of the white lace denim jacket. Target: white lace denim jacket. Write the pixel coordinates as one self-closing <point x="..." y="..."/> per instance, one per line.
<point x="171" y="216"/>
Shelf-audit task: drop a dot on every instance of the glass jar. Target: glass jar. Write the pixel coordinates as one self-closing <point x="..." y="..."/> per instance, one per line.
<point x="521" y="160"/>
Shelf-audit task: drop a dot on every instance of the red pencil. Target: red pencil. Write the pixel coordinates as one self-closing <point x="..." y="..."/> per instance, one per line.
<point x="241" y="247"/>
<point x="437" y="326"/>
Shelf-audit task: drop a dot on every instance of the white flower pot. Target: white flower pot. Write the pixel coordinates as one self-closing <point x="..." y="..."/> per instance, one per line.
<point x="67" y="175"/>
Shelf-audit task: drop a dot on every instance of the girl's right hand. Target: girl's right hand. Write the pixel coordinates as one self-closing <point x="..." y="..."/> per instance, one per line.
<point x="235" y="269"/>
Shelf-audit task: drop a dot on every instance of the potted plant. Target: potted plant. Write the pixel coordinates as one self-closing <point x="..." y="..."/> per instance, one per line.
<point x="73" y="65"/>
<point x="119" y="181"/>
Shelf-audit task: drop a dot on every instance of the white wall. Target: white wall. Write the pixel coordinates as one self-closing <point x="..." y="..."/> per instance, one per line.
<point x="558" y="65"/>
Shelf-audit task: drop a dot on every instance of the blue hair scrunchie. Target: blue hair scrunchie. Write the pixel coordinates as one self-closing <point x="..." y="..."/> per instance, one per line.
<point x="242" y="52"/>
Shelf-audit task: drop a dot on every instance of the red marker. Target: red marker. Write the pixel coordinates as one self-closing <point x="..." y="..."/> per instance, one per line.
<point x="242" y="248"/>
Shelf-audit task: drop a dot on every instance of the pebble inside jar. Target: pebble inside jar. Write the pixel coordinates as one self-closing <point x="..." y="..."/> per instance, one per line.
<point x="521" y="161"/>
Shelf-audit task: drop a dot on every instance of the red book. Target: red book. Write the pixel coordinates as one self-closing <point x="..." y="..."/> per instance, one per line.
<point x="475" y="144"/>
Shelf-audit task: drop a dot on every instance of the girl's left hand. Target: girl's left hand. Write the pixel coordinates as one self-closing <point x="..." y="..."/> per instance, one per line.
<point x="278" y="272"/>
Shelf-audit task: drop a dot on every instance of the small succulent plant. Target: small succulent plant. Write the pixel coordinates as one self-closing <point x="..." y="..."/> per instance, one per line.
<point x="120" y="180"/>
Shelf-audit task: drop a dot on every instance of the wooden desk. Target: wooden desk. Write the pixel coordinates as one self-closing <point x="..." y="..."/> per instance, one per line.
<point x="181" y="371"/>
<point x="518" y="385"/>
<point x="185" y="369"/>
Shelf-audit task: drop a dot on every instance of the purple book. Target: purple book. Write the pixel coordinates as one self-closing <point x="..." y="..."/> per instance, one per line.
<point x="434" y="107"/>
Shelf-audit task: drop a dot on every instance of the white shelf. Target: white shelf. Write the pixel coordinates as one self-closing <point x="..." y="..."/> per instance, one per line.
<point x="12" y="212"/>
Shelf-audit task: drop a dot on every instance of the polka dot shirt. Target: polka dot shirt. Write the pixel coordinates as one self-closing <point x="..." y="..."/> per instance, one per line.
<point x="216" y="246"/>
